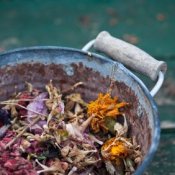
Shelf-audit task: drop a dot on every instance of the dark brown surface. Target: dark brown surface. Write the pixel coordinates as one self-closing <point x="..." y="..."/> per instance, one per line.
<point x="14" y="78"/>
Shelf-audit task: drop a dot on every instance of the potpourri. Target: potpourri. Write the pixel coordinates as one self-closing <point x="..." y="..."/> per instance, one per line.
<point x="54" y="132"/>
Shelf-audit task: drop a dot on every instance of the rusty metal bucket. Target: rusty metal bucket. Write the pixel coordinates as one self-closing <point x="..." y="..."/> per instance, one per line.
<point x="66" y="66"/>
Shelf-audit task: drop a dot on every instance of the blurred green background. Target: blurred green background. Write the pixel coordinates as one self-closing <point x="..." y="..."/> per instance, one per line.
<point x="149" y="25"/>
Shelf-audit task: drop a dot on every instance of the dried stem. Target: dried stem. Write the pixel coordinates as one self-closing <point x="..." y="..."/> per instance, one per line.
<point x="72" y="88"/>
<point x="22" y="132"/>
<point x="16" y="104"/>
<point x="19" y="100"/>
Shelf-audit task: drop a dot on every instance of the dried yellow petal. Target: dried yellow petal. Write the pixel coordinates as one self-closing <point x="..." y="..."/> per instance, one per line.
<point x="116" y="148"/>
<point x="104" y="106"/>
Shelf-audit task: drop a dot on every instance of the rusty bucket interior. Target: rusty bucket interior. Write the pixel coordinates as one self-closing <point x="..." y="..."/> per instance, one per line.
<point x="66" y="66"/>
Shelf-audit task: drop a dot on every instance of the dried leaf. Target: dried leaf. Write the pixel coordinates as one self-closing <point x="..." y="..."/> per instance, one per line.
<point x="75" y="97"/>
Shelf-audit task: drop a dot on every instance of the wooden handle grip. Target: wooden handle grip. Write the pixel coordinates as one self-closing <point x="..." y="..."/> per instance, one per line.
<point x="129" y="55"/>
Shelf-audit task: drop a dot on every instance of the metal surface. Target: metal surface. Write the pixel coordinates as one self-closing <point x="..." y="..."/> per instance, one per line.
<point x="158" y="85"/>
<point x="65" y="56"/>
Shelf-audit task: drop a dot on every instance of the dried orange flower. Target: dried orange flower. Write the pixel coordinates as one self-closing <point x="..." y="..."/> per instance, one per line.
<point x="116" y="148"/>
<point x="104" y="106"/>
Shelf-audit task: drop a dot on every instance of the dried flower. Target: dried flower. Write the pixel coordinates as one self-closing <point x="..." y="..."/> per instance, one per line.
<point x="116" y="148"/>
<point x="51" y="133"/>
<point x="54" y="103"/>
<point x="37" y="105"/>
<point x="104" y="106"/>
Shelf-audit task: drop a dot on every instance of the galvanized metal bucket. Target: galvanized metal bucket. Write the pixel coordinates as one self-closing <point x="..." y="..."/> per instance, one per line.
<point x="66" y="66"/>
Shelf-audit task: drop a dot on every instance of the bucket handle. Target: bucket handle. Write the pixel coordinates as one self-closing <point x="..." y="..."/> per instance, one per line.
<point x="131" y="56"/>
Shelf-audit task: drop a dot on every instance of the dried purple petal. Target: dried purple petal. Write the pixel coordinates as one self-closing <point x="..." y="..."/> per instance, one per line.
<point x="37" y="105"/>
